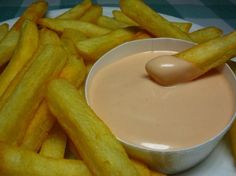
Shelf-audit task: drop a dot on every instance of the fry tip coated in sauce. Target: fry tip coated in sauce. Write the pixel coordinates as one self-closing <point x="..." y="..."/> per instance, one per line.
<point x="169" y="70"/>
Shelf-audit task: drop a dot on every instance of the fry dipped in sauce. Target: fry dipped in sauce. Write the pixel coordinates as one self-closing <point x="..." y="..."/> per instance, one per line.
<point x="192" y="63"/>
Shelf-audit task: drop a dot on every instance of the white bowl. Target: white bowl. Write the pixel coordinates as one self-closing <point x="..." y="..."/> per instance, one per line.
<point x="173" y="160"/>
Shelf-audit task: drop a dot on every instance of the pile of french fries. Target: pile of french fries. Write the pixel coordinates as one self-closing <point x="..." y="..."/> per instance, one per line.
<point x="46" y="127"/>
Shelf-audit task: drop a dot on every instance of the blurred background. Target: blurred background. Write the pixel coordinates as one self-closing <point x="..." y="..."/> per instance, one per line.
<point x="220" y="13"/>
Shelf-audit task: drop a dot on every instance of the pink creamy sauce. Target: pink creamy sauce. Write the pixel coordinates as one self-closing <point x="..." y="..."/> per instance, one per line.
<point x="141" y="112"/>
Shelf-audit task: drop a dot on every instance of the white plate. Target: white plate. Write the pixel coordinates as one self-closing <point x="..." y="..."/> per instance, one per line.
<point x="220" y="162"/>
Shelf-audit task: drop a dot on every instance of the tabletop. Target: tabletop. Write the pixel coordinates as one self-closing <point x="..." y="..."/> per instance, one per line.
<point x="220" y="13"/>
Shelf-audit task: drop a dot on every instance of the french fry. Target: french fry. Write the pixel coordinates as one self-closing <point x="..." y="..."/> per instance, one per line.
<point x="16" y="161"/>
<point x="70" y="47"/>
<point x="75" y="70"/>
<point x="59" y="25"/>
<point x="16" y="113"/>
<point x="183" y="26"/>
<point x="2" y="68"/>
<point x="212" y="53"/>
<point x="93" y="48"/>
<point x="35" y="11"/>
<point x="71" y="152"/>
<point x="73" y="35"/>
<point x="141" y="168"/>
<point x="232" y="134"/>
<point x="25" y="49"/>
<point x="97" y="146"/>
<point x="142" y="34"/>
<point x="120" y="16"/>
<point x="77" y="11"/>
<point x="43" y="121"/>
<point x="45" y="37"/>
<point x="7" y="45"/>
<point x="110" y="23"/>
<point x="89" y="66"/>
<point x="154" y="173"/>
<point x="151" y="20"/>
<point x="3" y="30"/>
<point x="81" y="91"/>
<point x="55" y="144"/>
<point x="92" y="14"/>
<point x="15" y="82"/>
<point x="205" y="34"/>
<point x="144" y="170"/>
<point x="9" y="42"/>
<point x="38" y="128"/>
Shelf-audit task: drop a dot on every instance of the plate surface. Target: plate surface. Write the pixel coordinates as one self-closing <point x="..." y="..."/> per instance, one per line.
<point x="220" y="161"/>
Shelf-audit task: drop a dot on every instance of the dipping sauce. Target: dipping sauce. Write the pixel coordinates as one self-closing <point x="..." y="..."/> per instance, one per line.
<point x="141" y="112"/>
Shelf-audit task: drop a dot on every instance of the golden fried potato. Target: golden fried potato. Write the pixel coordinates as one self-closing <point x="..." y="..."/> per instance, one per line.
<point x="38" y="128"/>
<point x="97" y="146"/>
<point x="81" y="90"/>
<point x="142" y="34"/>
<point x="183" y="26"/>
<point x="93" y="48"/>
<point x="212" y="53"/>
<point x="14" y="83"/>
<point x="154" y="173"/>
<point x="205" y="34"/>
<point x="77" y="11"/>
<point x="92" y="14"/>
<point x="74" y="71"/>
<point x="16" y="162"/>
<point x="25" y="49"/>
<point x="71" y="151"/>
<point x="230" y="54"/>
<point x="59" y="25"/>
<point x="2" y="67"/>
<point x="151" y="20"/>
<point x="144" y="170"/>
<point x="110" y="23"/>
<point x="120" y="16"/>
<point x="7" y="45"/>
<point x="74" y="35"/>
<point x="43" y="120"/>
<point x="70" y="47"/>
<point x="16" y="113"/>
<point x="89" y="66"/>
<point x="46" y="36"/>
<point x="35" y="11"/>
<point x="141" y="168"/>
<point x="55" y="144"/>
<point x="3" y="30"/>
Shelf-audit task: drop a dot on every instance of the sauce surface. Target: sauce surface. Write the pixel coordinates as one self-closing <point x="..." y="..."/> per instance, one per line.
<point x="141" y="112"/>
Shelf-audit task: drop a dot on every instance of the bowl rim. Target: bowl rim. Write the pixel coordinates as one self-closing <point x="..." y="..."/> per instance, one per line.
<point x="139" y="147"/>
